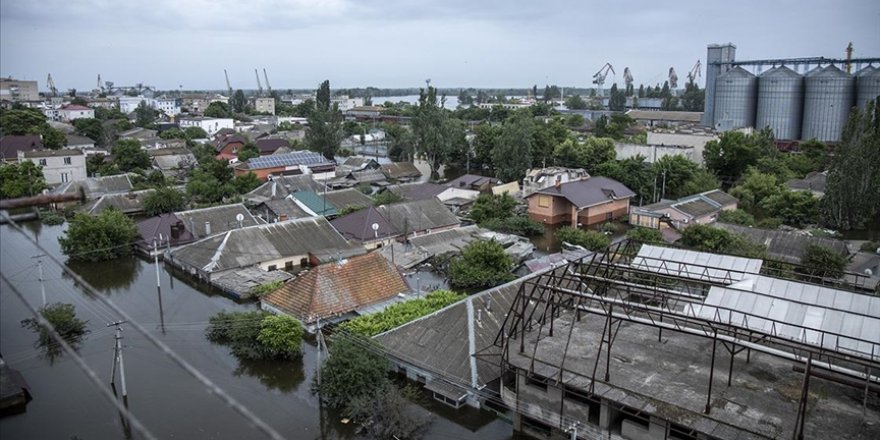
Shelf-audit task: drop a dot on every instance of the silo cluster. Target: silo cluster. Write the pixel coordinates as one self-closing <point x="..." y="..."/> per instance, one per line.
<point x="780" y="102"/>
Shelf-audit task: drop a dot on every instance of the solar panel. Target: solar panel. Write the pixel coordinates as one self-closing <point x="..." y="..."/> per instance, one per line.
<point x="287" y="159"/>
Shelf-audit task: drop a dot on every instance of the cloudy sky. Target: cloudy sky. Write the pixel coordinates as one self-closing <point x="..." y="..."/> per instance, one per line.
<point x="399" y="43"/>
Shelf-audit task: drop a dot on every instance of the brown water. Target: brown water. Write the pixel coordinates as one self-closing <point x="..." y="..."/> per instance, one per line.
<point x="164" y="397"/>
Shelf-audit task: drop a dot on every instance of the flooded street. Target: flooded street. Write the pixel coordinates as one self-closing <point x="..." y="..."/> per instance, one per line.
<point x="166" y="399"/>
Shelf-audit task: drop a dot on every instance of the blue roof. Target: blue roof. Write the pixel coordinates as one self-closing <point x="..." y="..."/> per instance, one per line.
<point x="287" y="159"/>
<point x="315" y="202"/>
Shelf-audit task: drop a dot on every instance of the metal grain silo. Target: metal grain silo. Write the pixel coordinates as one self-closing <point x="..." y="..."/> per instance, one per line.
<point x="867" y="85"/>
<point x="736" y="97"/>
<point x="780" y="102"/>
<point x="829" y="95"/>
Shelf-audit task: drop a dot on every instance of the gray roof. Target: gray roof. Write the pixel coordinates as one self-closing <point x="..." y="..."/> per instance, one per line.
<point x="95" y="187"/>
<point x="470" y="180"/>
<point x="785" y="245"/>
<point x="696" y="207"/>
<point x="367" y="176"/>
<point x="696" y="265"/>
<point x="284" y="206"/>
<point x="281" y="187"/>
<point x="222" y="218"/>
<point x="129" y="203"/>
<point x="358" y="162"/>
<point x="419" y="215"/>
<point x="74" y="140"/>
<point x="814" y="181"/>
<point x="251" y="245"/>
<point x="400" y="170"/>
<point x="720" y="197"/>
<point x="589" y="192"/>
<point x="174" y="161"/>
<point x="348" y="197"/>
<point x="359" y="225"/>
<point x="418" y="191"/>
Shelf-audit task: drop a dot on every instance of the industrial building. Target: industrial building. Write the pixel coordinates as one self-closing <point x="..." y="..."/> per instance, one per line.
<point x="799" y="98"/>
<point x="15" y="90"/>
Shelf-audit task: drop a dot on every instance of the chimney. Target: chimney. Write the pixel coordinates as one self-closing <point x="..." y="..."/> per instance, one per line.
<point x="480" y="315"/>
<point x="207" y="228"/>
<point x="282" y="218"/>
<point x="175" y="231"/>
<point x="558" y="181"/>
<point x="488" y="304"/>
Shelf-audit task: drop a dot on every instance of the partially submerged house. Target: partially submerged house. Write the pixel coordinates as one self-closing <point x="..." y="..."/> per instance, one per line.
<point x="205" y="222"/>
<point x="339" y="290"/>
<point x="281" y="186"/>
<point x="585" y="202"/>
<point x="539" y="178"/>
<point x="420" y="217"/>
<point x="366" y="226"/>
<point x="173" y="162"/>
<point x="162" y="232"/>
<point x="786" y="246"/>
<point x="130" y="203"/>
<point x="400" y="171"/>
<point x="95" y="187"/>
<point x="698" y="209"/>
<point x="348" y="198"/>
<point x="276" y="210"/>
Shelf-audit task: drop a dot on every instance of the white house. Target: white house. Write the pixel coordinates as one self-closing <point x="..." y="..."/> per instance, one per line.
<point x="210" y="125"/>
<point x="128" y="104"/>
<point x="169" y="106"/>
<point x="345" y="103"/>
<point x="59" y="166"/>
<point x="72" y="111"/>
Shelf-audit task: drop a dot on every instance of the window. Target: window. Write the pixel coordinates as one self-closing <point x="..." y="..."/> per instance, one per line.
<point x="64" y="178"/>
<point x="288" y="265"/>
<point x="272" y="268"/>
<point x="43" y="162"/>
<point x="303" y="263"/>
<point x="536" y="383"/>
<point x="544" y="201"/>
<point x="67" y="161"/>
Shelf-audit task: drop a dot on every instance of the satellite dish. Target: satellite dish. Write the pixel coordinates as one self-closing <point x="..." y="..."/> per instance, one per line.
<point x="375" y="226"/>
<point x="239" y="217"/>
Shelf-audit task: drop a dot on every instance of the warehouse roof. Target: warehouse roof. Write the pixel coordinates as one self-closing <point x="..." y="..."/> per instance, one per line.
<point x="696" y="265"/>
<point x="419" y="215"/>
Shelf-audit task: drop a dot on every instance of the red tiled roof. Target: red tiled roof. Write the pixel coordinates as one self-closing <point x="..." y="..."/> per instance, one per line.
<point x="334" y="289"/>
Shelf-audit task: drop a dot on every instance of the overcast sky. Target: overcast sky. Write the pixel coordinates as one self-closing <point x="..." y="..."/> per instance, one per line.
<point x="399" y="43"/>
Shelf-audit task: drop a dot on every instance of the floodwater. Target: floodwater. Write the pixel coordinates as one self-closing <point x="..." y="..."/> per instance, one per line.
<point x="165" y="398"/>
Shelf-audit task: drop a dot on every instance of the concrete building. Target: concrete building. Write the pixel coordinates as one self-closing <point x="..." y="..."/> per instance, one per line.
<point x="128" y="104"/>
<point x="346" y="103"/>
<point x="264" y="105"/>
<point x="210" y="125"/>
<point x="16" y="90"/>
<point x="540" y="178"/>
<point x="110" y="102"/>
<point x="653" y="152"/>
<point x="169" y="106"/>
<point x="689" y="136"/>
<point x="59" y="166"/>
<point x="698" y="209"/>
<point x="580" y="203"/>
<point x="72" y="112"/>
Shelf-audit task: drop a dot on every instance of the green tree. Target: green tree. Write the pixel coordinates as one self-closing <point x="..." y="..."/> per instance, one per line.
<point x="485" y="138"/>
<point x="734" y="152"/>
<point x="145" y="115"/>
<point x="822" y="262"/>
<point x="402" y="143"/>
<point x="438" y="136"/>
<point x="92" y="128"/>
<point x="386" y="197"/>
<point x="754" y="188"/>
<point x="211" y="182"/>
<point x="257" y="335"/>
<point x="281" y="335"/>
<point x="21" y="121"/>
<point x="852" y="195"/>
<point x="675" y="177"/>
<point x="588" y="154"/>
<point x="488" y="206"/>
<point x="575" y="102"/>
<point x="737" y="217"/>
<point x="107" y="236"/>
<point x="128" y="155"/>
<point x="322" y="96"/>
<point x="617" y="99"/>
<point x="174" y="133"/>
<point x="575" y="121"/>
<point x="246" y="183"/>
<point x="352" y="371"/>
<point x="709" y="239"/>
<point x="52" y="139"/>
<point x="512" y="152"/>
<point x="646" y="235"/>
<point x="21" y="179"/>
<point x="591" y="240"/>
<point x="795" y="208"/>
<point x="634" y="172"/>
<point x="545" y="138"/>
<point x="693" y="97"/>
<point x="249" y="151"/>
<point x="238" y="101"/>
<point x="62" y="318"/>
<point x="164" y="200"/>
<point x="325" y="125"/>
<point x="483" y="264"/>
<point x="195" y="133"/>
<point x="218" y="109"/>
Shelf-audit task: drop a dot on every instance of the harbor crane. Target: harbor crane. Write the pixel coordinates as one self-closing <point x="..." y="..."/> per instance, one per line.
<point x="259" y="86"/>
<point x="695" y="72"/>
<point x="628" y="78"/>
<point x="99" y="86"/>
<point x="228" y="85"/>
<point x="268" y="87"/>
<point x="50" y="83"/>
<point x="599" y="77"/>
<point x="673" y="79"/>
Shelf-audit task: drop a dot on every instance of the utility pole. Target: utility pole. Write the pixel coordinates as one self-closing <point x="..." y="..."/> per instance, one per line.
<point x="117" y="360"/>
<point x="573" y="429"/>
<point x="664" y="185"/>
<point x="42" y="285"/>
<point x="158" y="285"/>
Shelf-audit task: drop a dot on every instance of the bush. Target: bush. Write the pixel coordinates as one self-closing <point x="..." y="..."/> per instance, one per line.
<point x="348" y="209"/>
<point x="256" y="335"/>
<point x="482" y="263"/>
<point x="63" y="319"/>
<point x="591" y="240"/>
<point x="609" y="228"/>
<point x="51" y="218"/>
<point x="386" y="197"/>
<point x="107" y="236"/>
<point x="870" y="246"/>
<point x="389" y="414"/>
<point x="352" y="371"/>
<point x="769" y="223"/>
<point x="164" y="200"/>
<point x="263" y="289"/>
<point x="492" y="207"/>
<point x="708" y="239"/>
<point x="646" y="235"/>
<point x="737" y="217"/>
<point x="518" y="225"/>
<point x="401" y="313"/>
<point x="819" y="261"/>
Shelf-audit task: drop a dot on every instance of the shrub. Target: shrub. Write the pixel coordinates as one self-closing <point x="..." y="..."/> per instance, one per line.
<point x="386" y="197"/>
<point x="482" y="263"/>
<point x="263" y="289"/>
<point x="352" y="371"/>
<point x="51" y="218"/>
<point x="819" y="261"/>
<point x="591" y="240"/>
<point x="63" y="319"/>
<point x="256" y="335"/>
<point x="401" y="313"/>
<point x="164" y="200"/>
<point x="518" y="225"/>
<point x="737" y="217"/>
<point x="870" y="246"/>
<point x="708" y="239"/>
<point x="645" y="235"/>
<point x="107" y="236"/>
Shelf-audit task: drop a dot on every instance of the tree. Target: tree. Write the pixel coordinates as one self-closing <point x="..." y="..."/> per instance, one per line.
<point x="107" y="236"/>
<point x="402" y="143"/>
<point x="257" y="335"/>
<point x="52" y="139"/>
<point x="485" y="138"/>
<point x="195" y="133"/>
<point x="281" y="335"/>
<point x="21" y="179"/>
<point x="586" y="155"/>
<point x="645" y="235"/>
<point x="322" y="96"/>
<point x="852" y="195"/>
<point x="754" y="188"/>
<point x="545" y="138"/>
<point x="390" y="414"/>
<point x="575" y="121"/>
<point x="634" y="172"/>
<point x="62" y="318"/>
<point x="90" y="127"/>
<point x="438" y="136"/>
<point x="325" y="125"/>
<point x="218" y="109"/>
<point x="174" y="133"/>
<point x="22" y="121"/>
<point x="675" y="175"/>
<point x="164" y="200"/>
<point x="248" y="151"/>
<point x="128" y="155"/>
<point x="819" y="261"/>
<point x="590" y="240"/>
<point x="795" y="208"/>
<point x="617" y="99"/>
<point x="238" y="101"/>
<point x="641" y="91"/>
<point x="483" y="264"/>
<point x="736" y="217"/>
<point x="693" y="98"/>
<point x="488" y="206"/>
<point x="709" y="239"/>
<point x="512" y="152"/>
<point x="352" y="371"/>
<point x="246" y="183"/>
<point x="734" y="152"/>
<point x="145" y="115"/>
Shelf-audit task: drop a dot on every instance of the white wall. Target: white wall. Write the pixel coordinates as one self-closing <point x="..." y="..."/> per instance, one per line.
<point x="56" y="171"/>
<point x="652" y="153"/>
<point x="697" y="141"/>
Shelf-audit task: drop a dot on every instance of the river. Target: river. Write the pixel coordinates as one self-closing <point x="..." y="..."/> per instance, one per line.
<point x="170" y="402"/>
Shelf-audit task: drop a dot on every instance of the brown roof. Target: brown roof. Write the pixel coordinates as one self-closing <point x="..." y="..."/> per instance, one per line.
<point x="589" y="192"/>
<point x="11" y="145"/>
<point x="268" y="146"/>
<point x="398" y="170"/>
<point x="221" y="142"/>
<point x="334" y="289"/>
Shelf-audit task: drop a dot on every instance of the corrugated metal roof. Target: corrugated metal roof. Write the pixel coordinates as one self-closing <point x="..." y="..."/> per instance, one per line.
<point x="281" y="187"/>
<point x="222" y="218"/>
<point x="696" y="265"/>
<point x="97" y="186"/>
<point x="419" y="215"/>
<point x="348" y="197"/>
<point x="129" y="203"/>
<point x="696" y="207"/>
<point x="286" y="160"/>
<point x="317" y="203"/>
<point x="400" y="170"/>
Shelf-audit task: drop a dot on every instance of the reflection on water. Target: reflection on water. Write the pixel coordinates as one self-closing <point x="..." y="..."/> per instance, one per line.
<point x="547" y="242"/>
<point x="284" y="376"/>
<point x="108" y="275"/>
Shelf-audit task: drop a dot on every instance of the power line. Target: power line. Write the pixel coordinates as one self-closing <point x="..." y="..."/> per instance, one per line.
<point x="213" y="388"/>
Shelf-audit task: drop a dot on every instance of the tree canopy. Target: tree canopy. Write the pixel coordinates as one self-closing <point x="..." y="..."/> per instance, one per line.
<point x="325" y="125"/>
<point x="128" y="155"/>
<point x="483" y="264"/>
<point x="21" y="179"/>
<point x="164" y="200"/>
<point x="512" y="152"/>
<point x="106" y="236"/>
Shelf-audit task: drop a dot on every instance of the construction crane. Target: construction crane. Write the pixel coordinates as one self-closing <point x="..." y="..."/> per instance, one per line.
<point x="673" y="79"/>
<point x="695" y="72"/>
<point x="100" y="85"/>
<point x="50" y="83"/>
<point x="268" y="87"/>
<point x="228" y="85"/>
<point x="599" y="77"/>
<point x="849" y="51"/>
<point x="259" y="86"/>
<point x="627" y="77"/>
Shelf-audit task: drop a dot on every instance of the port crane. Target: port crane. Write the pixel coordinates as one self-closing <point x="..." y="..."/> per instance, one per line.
<point x="228" y="85"/>
<point x="50" y="83"/>
<point x="628" y="78"/>
<point x="268" y="87"/>
<point x="673" y="79"/>
<point x="695" y="72"/>
<point x="259" y="86"/>
<point x="599" y="77"/>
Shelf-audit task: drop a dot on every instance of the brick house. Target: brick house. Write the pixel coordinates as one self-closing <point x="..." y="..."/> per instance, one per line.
<point x="580" y="203"/>
<point x="228" y="146"/>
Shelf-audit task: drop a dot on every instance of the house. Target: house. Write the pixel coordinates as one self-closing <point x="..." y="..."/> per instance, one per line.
<point x="338" y="291"/>
<point x="419" y="217"/>
<point x="417" y="191"/>
<point x="348" y="198"/>
<point x="95" y="187"/>
<point x="205" y="222"/>
<point x="365" y="111"/>
<point x="585" y="202"/>
<point x="11" y="145"/>
<point x="279" y="210"/>
<point x="359" y="227"/>
<point x="418" y="249"/>
<point x="697" y="209"/>
<point x="14" y="390"/>
<point x="348" y="179"/>
<point x="228" y="146"/>
<point x="814" y="182"/>
<point x="130" y="203"/>
<point x="540" y="178"/>
<point x="786" y="246"/>
<point x="299" y="162"/>
<point x="473" y="182"/>
<point x="59" y="166"/>
<point x="400" y="171"/>
<point x="72" y="112"/>
<point x="281" y="186"/>
<point x="358" y="163"/>
<point x="511" y="188"/>
<point x="264" y="105"/>
<point x="173" y="162"/>
<point x="138" y="134"/>
<point x="165" y="230"/>
<point x="290" y="246"/>
<point x="271" y="145"/>
<point x="650" y="118"/>
<point x="314" y="204"/>
<point x="80" y="143"/>
<point x="210" y="125"/>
